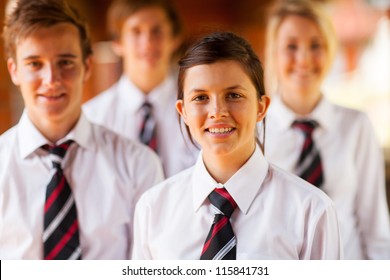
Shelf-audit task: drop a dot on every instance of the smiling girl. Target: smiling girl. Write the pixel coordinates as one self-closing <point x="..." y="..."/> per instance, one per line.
<point x="346" y="162"/>
<point x="232" y="204"/>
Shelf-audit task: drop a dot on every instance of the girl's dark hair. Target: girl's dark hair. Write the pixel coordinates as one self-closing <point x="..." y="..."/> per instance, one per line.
<point x="223" y="46"/>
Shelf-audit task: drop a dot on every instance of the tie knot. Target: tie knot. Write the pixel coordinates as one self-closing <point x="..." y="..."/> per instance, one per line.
<point x="58" y="152"/>
<point x="146" y="108"/>
<point x="306" y="126"/>
<point x="223" y="201"/>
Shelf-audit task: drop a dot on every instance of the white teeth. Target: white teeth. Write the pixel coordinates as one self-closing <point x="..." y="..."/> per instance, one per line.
<point x="220" y="130"/>
<point x="52" y="96"/>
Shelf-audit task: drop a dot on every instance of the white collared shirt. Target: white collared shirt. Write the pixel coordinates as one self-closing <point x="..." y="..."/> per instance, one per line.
<point x="119" y="109"/>
<point x="353" y="171"/>
<point x="106" y="172"/>
<point x="279" y="216"/>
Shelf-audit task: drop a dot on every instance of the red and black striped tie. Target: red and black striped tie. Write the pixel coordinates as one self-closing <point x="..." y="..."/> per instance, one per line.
<point x="148" y="131"/>
<point x="309" y="165"/>
<point x="61" y="230"/>
<point x="221" y="242"/>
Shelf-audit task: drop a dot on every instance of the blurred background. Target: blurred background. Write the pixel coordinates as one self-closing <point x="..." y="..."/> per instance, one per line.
<point x="360" y="77"/>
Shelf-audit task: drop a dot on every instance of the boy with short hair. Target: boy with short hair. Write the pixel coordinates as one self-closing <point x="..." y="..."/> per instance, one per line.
<point x="141" y="105"/>
<point x="67" y="187"/>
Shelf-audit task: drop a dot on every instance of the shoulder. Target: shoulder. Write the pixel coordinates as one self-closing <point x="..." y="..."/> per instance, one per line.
<point x="172" y="188"/>
<point x="8" y="147"/>
<point x="101" y="100"/>
<point x="350" y="121"/>
<point x="119" y="144"/>
<point x="348" y="114"/>
<point x="8" y="139"/>
<point x="126" y="157"/>
<point x="297" y="189"/>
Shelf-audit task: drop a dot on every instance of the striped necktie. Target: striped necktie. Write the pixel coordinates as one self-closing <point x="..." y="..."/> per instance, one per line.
<point x="61" y="231"/>
<point x="309" y="165"/>
<point x="148" y="132"/>
<point x="220" y="243"/>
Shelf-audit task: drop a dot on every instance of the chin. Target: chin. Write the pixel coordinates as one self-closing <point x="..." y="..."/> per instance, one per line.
<point x="221" y="151"/>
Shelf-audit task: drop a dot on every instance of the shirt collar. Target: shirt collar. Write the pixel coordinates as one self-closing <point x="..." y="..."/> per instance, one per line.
<point x="130" y="96"/>
<point x="83" y="134"/>
<point x="250" y="176"/>
<point x="133" y="98"/>
<point x="323" y="114"/>
<point x="164" y="92"/>
<point x="31" y="139"/>
<point x="284" y="117"/>
<point x="280" y="114"/>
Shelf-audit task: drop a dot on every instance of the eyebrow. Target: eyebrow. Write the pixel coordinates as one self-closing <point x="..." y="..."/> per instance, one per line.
<point x="236" y="87"/>
<point x="65" y="55"/>
<point x="199" y="90"/>
<point x="316" y="37"/>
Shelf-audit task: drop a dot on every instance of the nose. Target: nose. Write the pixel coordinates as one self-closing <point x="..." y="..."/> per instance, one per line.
<point x="218" y="108"/>
<point x="51" y="77"/>
<point x="146" y="39"/>
<point x="303" y="57"/>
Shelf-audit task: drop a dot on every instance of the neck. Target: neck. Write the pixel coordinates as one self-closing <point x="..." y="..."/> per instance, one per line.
<point x="301" y="104"/>
<point x="223" y="167"/>
<point x="146" y="82"/>
<point x="54" y="130"/>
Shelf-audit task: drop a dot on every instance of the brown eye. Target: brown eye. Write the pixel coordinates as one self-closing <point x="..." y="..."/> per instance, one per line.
<point x="157" y="31"/>
<point x="65" y="63"/>
<point x="200" y="98"/>
<point x="135" y="31"/>
<point x="292" y="47"/>
<point x="233" y="95"/>
<point x="315" y="46"/>
<point x="34" y="64"/>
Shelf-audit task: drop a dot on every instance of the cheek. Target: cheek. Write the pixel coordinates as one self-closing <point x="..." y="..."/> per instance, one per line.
<point x="168" y="44"/>
<point x="128" y="43"/>
<point x="282" y="63"/>
<point x="320" y="59"/>
<point x="73" y="76"/>
<point x="129" y="40"/>
<point x="285" y="60"/>
<point x="26" y="76"/>
<point x="195" y="115"/>
<point x="245" y="112"/>
<point x="167" y="50"/>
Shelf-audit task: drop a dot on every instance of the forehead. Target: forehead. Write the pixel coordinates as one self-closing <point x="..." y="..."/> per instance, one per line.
<point x="294" y="26"/>
<point x="221" y="75"/>
<point x="58" y="38"/>
<point x="150" y="15"/>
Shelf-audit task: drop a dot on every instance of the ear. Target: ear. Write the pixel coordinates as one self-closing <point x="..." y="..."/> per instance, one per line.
<point x="12" y="69"/>
<point x="180" y="109"/>
<point x="88" y="68"/>
<point x="117" y="48"/>
<point x="263" y="107"/>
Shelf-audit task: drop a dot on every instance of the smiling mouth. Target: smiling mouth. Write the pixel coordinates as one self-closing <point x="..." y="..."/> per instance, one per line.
<point x="220" y="130"/>
<point x="304" y="73"/>
<point x="150" y="57"/>
<point x="52" y="97"/>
